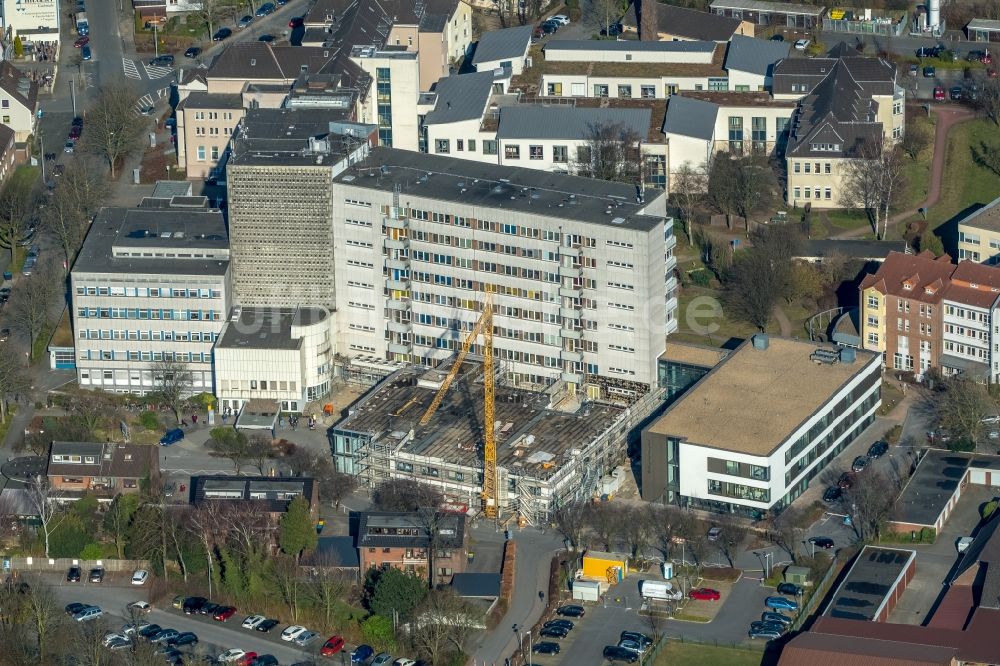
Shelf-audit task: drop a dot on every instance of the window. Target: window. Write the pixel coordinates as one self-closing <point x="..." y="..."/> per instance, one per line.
<point x="201" y="153"/>
<point x="872" y="338"/>
<point x="648" y="92"/>
<point x="718" y="84"/>
<point x="215" y="152"/>
<point x="560" y="154"/>
<point x="442" y="146"/>
<point x="826" y="167"/>
<point x="459" y="145"/>
<point x="796" y="167"/>
<point x="873" y="302"/>
<point x="600" y="90"/>
<point x="625" y="91"/>
<point x="758" y="129"/>
<point x="489" y="147"/>
<point x="828" y="194"/>
<point x="583" y="154"/>
<point x="796" y="193"/>
<point x="512" y="152"/>
<point x="472" y="145"/>
<point x="536" y="152"/>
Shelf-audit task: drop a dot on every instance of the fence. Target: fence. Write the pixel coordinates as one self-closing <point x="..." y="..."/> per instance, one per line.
<point x="817" y="594"/>
<point x="38" y="564"/>
<point x="650" y="657"/>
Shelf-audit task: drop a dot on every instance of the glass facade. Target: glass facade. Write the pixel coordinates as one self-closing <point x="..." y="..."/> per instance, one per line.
<point x="383" y="91"/>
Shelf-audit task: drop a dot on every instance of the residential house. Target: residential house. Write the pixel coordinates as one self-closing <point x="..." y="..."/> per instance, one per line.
<point x="205" y="121"/>
<point x="849" y="105"/>
<point x="268" y="494"/>
<point x="750" y="62"/>
<point x="763" y="13"/>
<point x="700" y="124"/>
<point x="18" y="101"/>
<point x="924" y="312"/>
<point x="105" y="469"/>
<point x="681" y="24"/>
<point x="438" y="31"/>
<point x="414" y="542"/>
<point x="979" y="235"/>
<point x="454" y="123"/>
<point x="8" y="152"/>
<point x="505" y="49"/>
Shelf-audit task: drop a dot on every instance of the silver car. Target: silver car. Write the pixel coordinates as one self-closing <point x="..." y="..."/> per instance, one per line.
<point x="305" y="638"/>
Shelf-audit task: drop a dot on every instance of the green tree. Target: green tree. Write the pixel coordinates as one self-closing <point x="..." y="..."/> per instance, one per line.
<point x="92" y="551"/>
<point x="117" y="519"/>
<point x="393" y="590"/>
<point x="18" y="47"/>
<point x="378" y="633"/>
<point x="931" y="241"/>
<point x="297" y="531"/>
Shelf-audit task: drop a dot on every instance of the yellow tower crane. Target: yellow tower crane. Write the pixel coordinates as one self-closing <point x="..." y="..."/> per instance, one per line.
<point x="484" y="326"/>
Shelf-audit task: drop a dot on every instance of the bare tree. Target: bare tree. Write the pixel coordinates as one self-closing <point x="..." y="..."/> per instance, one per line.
<point x="405" y="495"/>
<point x="287" y="578"/>
<point x="960" y="406"/>
<point x="442" y="624"/>
<point x="873" y="180"/>
<point x="88" y="646"/>
<point x="16" y="203"/>
<point x="259" y="451"/>
<point x="210" y="11"/>
<point x="94" y="410"/>
<point x="43" y="616"/>
<point x="325" y="588"/>
<point x="734" y="534"/>
<point x="870" y="501"/>
<point x="603" y="519"/>
<point x="172" y="382"/>
<point x="988" y="99"/>
<point x="334" y="486"/>
<point x="609" y="11"/>
<point x="113" y="126"/>
<point x="43" y="500"/>
<point x="669" y="523"/>
<point x="73" y="202"/>
<point x="230" y="443"/>
<point x="789" y="529"/>
<point x="611" y="152"/>
<point x="688" y="186"/>
<point x="635" y="528"/>
<point x="203" y="523"/>
<point x="30" y="305"/>
<point x="722" y="186"/>
<point x="571" y="521"/>
<point x="13" y="380"/>
<point x="753" y="185"/>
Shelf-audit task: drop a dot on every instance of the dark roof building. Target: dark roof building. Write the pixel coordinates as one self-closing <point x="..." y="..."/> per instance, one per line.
<point x="476" y="585"/>
<point x="272" y="494"/>
<point x="874" y="583"/>
<point x="261" y="61"/>
<point x="757" y="56"/>
<point x="387" y="529"/>
<point x="686" y="24"/>
<point x="333" y="552"/>
<point x="500" y="45"/>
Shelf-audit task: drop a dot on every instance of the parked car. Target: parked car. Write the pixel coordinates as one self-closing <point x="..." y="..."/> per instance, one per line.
<point x="777" y="38"/>
<point x="164" y="636"/>
<point x="164" y="60"/>
<point x="826" y="543"/>
<point x="860" y="463"/>
<point x="878" y="449"/>
<point x="554" y="631"/>
<point x="802" y="44"/>
<point x="140" y="606"/>
<point x="546" y="647"/>
<point x="939" y="435"/>
<point x="571" y="610"/>
<point x="774" y="626"/>
<point x="244" y="22"/>
<point x="252" y="621"/>
<point x="845" y="481"/>
<point x="929" y="72"/>
<point x="361" y="654"/>
<point x="632" y="646"/>
<point x="549" y="27"/>
<point x="73" y="575"/>
<point x="208" y="608"/>
<point x="305" y="638"/>
<point x="266" y="38"/>
<point x="295" y="22"/>
<point x="832" y="494"/>
<point x="790" y="589"/>
<point x="221" y="34"/>
<point x="781" y="603"/>
<point x="266" y="625"/>
<point x="88" y="613"/>
<point x="615" y="653"/>
<point x="955" y="93"/>
<point x="185" y="638"/>
<point x="85" y="52"/>
<point x="265" y="660"/>
<point x="147" y="110"/>
<point x="265" y="9"/>
<point x="139" y="577"/>
<point x="231" y="655"/>
<point x="192" y="605"/>
<point x="566" y="624"/>
<point x="149" y="631"/>
<point x="775" y="617"/>
<point x="172" y="437"/>
<point x="382" y="659"/>
<point x="96" y="575"/>
<point x="613" y="30"/>
<point x="766" y="634"/>
<point x="118" y="643"/>
<point x="714" y="533"/>
<point x="914" y="70"/>
<point x="292" y="632"/>
<point x="82" y="41"/>
<point x="332" y="646"/>
<point x="704" y="594"/>
<point x="69" y="146"/>
<point x="939" y="95"/>
<point x="223" y="613"/>
<point x="642" y="639"/>
<point x="192" y="52"/>
<point x="74" y="608"/>
<point x="561" y="19"/>
<point x="129" y="629"/>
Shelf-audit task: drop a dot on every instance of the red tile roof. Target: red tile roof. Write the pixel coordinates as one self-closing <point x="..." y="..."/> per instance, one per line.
<point x="922" y="277"/>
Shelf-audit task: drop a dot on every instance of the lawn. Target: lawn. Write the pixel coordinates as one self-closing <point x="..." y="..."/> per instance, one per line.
<point x="964" y="182"/>
<point x="727" y="328"/>
<point x="695" y="654"/>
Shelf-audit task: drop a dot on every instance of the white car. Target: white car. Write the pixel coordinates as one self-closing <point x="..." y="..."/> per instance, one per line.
<point x="801" y="44"/>
<point x="232" y="654"/>
<point x="140" y="606"/>
<point x="292" y="632"/>
<point x="139" y="577"/>
<point x="112" y="637"/>
<point x="252" y="621"/>
<point x="561" y="19"/>
<point x="404" y="662"/>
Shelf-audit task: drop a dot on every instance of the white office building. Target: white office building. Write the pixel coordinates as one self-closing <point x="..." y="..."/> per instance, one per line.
<point x="150" y="284"/>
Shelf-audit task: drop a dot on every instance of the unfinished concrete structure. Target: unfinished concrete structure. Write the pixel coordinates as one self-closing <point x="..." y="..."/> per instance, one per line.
<point x="552" y="447"/>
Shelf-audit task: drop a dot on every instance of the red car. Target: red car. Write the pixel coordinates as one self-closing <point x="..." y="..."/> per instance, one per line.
<point x="224" y="613"/>
<point x="939" y="94"/>
<point x="333" y="645"/>
<point x="295" y="22"/>
<point x="247" y="659"/>
<point x="83" y="41"/>
<point x="74" y="133"/>
<point x="705" y="594"/>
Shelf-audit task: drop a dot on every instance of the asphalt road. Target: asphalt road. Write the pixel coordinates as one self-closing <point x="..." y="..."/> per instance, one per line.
<point x="214" y="637"/>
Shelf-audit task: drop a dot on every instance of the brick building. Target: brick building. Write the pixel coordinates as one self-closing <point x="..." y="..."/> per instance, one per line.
<point x="105" y="470"/>
<point x="412" y="542"/>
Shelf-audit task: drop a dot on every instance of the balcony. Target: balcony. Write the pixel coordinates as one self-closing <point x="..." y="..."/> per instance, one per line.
<point x="571" y="377"/>
<point x="397" y="244"/>
<point x="400" y="326"/>
<point x="569" y="313"/>
<point x="397" y="264"/>
<point x="394" y="223"/>
<point x="569" y="251"/>
<point x="566" y="355"/>
<point x="571" y="271"/>
<point x="398" y="303"/>
<point x="571" y="333"/>
<point x="569" y="292"/>
<point x="396" y="348"/>
<point x="403" y="284"/>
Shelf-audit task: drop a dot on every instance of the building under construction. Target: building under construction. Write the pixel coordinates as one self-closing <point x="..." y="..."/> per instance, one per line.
<point x="551" y="447"/>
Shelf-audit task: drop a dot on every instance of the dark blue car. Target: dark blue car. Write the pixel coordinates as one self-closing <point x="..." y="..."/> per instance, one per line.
<point x="362" y="654"/>
<point x="172" y="437"/>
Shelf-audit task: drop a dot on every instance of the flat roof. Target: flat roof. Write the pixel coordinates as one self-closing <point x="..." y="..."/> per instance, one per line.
<point x="680" y="352"/>
<point x="630" y="69"/>
<point x="502" y="187"/>
<point x="268" y="328"/>
<point x="753" y="400"/>
<point x="933" y="483"/>
<point x="983" y="24"/>
<point x="304" y="136"/>
<point x="627" y="45"/>
<point x="986" y="217"/>
<point x="768" y="7"/>
<point x="871" y="579"/>
<point x="532" y="439"/>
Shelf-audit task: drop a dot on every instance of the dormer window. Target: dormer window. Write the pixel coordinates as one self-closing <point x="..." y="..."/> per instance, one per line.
<point x="908" y="286"/>
<point x="929" y="290"/>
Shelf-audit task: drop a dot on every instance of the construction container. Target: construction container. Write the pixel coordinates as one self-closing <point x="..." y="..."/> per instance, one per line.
<point x="610" y="567"/>
<point x="586" y="590"/>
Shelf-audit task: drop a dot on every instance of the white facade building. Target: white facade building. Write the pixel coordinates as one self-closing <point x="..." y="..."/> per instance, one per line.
<point x="392" y="101"/>
<point x="581" y="272"/>
<point x="150" y="284"/>
<point x="752" y="433"/>
<point x="505" y="49"/>
<point x="275" y="354"/>
<point x="35" y="21"/>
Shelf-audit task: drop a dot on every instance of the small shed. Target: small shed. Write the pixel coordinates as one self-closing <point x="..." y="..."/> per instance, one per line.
<point x="797" y="575"/>
<point x="610" y="567"/>
<point x="586" y="590"/>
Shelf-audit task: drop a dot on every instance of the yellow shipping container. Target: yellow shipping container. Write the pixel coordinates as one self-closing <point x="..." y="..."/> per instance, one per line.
<point x="610" y="567"/>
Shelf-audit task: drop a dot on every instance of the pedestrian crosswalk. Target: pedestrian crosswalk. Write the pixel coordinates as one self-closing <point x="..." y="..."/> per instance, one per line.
<point x="130" y="69"/>
<point x="156" y="71"/>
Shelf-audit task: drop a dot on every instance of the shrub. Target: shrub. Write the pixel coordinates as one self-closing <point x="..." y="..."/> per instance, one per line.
<point x="701" y="277"/>
<point x="149" y="420"/>
<point x="892" y="434"/>
<point x="378" y="632"/>
<point x="92" y="551"/>
<point x="988" y="509"/>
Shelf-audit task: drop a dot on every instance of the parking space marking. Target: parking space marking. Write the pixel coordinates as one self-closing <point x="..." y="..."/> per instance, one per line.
<point x="131" y="71"/>
<point x="143" y="102"/>
<point x="156" y="71"/>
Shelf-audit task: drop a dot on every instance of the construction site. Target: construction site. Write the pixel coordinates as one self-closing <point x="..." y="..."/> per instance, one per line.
<point x="442" y="428"/>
